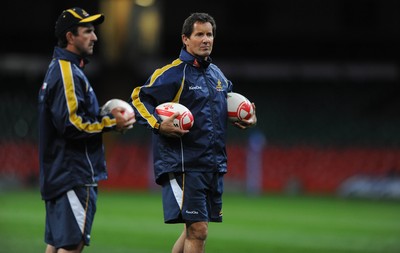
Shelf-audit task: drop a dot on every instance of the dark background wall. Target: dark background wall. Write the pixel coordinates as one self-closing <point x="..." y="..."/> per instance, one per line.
<point x="271" y="29"/>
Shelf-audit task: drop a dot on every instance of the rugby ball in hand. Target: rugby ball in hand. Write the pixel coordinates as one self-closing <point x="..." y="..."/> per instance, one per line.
<point x="239" y="107"/>
<point x="113" y="103"/>
<point x="185" y="119"/>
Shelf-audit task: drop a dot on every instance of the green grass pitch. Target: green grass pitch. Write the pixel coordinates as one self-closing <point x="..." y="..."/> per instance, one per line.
<point x="133" y="222"/>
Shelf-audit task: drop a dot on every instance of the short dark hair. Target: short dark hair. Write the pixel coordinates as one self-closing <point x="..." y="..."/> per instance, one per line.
<point x="62" y="39"/>
<point x="187" y="27"/>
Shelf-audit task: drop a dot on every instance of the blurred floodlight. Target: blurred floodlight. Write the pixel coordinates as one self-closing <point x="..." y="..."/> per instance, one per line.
<point x="145" y="3"/>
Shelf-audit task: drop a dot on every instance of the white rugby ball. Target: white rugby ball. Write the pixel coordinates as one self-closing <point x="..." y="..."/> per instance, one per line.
<point x="113" y="103"/>
<point x="239" y="107"/>
<point x="184" y="121"/>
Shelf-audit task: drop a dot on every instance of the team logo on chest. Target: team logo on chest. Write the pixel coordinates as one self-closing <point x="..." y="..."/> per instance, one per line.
<point x="219" y="86"/>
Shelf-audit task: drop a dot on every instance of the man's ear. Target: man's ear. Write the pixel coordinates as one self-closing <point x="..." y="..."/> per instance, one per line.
<point x="184" y="39"/>
<point x="69" y="36"/>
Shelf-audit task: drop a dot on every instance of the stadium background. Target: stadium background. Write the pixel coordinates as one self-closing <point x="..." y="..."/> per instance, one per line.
<point x="323" y="74"/>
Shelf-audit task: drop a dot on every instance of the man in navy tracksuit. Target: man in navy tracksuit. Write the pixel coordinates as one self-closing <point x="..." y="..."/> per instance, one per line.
<point x="71" y="152"/>
<point x="189" y="164"/>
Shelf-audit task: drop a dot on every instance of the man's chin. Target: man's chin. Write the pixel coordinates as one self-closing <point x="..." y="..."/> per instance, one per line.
<point x="205" y="54"/>
<point x="88" y="52"/>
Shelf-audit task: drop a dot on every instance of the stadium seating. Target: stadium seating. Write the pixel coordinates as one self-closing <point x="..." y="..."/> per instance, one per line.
<point x="311" y="169"/>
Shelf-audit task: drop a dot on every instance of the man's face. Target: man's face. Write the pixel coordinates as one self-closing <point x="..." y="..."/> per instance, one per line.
<point x="83" y="43"/>
<point x="201" y="40"/>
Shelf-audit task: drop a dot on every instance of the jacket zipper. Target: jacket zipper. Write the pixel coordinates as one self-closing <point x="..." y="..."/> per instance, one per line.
<point x="210" y="102"/>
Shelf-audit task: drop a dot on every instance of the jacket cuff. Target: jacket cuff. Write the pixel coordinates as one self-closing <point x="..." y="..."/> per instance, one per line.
<point x="156" y="128"/>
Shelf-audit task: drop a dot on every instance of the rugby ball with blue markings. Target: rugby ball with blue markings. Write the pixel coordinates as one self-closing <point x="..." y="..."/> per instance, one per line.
<point x="239" y="107"/>
<point x="185" y="119"/>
